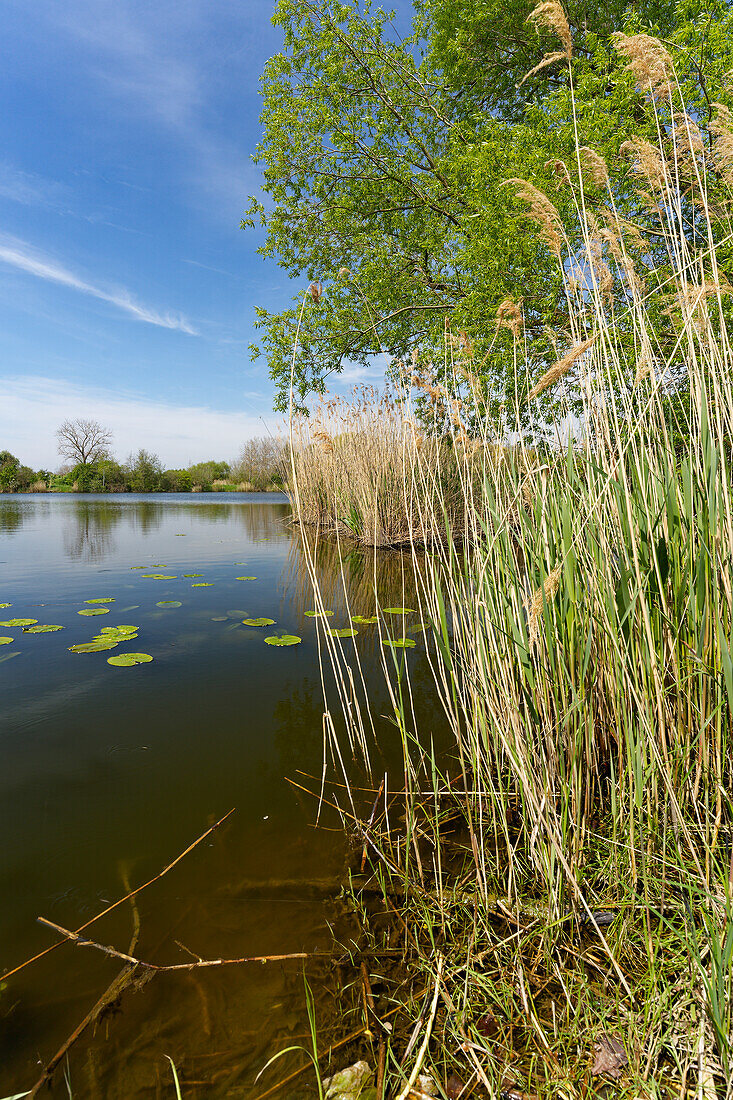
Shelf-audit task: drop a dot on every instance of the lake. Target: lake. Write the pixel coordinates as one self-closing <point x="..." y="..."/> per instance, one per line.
<point x="110" y="772"/>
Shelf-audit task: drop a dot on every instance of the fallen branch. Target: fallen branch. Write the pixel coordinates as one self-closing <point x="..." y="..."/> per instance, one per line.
<point x="200" y="964"/>
<point x="120" y="901"/>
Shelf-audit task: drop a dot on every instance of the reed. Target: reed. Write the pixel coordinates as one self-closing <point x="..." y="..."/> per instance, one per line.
<point x="574" y="872"/>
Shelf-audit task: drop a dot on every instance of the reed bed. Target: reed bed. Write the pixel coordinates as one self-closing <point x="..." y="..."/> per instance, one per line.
<point x="562" y="884"/>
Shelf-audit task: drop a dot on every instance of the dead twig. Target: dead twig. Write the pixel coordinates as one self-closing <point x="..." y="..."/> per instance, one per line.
<point x="200" y="964"/>
<point x="120" y="901"/>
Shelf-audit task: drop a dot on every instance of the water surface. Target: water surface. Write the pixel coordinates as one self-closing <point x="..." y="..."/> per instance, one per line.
<point x="108" y="773"/>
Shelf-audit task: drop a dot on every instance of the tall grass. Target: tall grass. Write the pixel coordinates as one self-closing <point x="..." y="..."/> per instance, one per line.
<point x="581" y="605"/>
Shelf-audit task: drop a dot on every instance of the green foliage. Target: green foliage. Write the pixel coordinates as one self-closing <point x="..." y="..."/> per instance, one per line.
<point x="386" y="164"/>
<point x="176" y="481"/>
<point x="204" y="474"/>
<point x="144" y="472"/>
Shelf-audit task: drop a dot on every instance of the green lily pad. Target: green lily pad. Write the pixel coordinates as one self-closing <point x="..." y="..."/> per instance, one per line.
<point x="94" y="611"/>
<point x="284" y="639"/>
<point x="399" y="611"/>
<point x="93" y="647"/>
<point x="240" y="563"/>
<point x="399" y="643"/>
<point x="102" y="599"/>
<point x="193" y="574"/>
<point x="6" y="605"/>
<point x="180" y="534"/>
<point x="159" y="577"/>
<point x="19" y="622"/>
<point x="139" y="567"/>
<point x="365" y="619"/>
<point x="344" y="632"/>
<point x="219" y="618"/>
<point x="126" y="660"/>
<point x="318" y="614"/>
<point x="169" y="603"/>
<point x="245" y="578"/>
<point x="125" y="629"/>
<point x="202" y="584"/>
<point x="41" y="629"/>
<point x="6" y="641"/>
<point x="258" y="622"/>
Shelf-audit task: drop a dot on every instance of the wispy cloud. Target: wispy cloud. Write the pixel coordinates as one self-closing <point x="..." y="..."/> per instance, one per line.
<point x="21" y="256"/>
<point x="32" y="407"/>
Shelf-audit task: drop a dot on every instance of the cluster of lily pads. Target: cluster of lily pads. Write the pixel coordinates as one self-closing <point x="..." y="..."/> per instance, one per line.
<point x="365" y="620"/>
<point x="28" y="626"/>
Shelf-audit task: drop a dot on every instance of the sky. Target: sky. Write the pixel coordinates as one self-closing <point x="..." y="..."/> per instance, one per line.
<point x="127" y="288"/>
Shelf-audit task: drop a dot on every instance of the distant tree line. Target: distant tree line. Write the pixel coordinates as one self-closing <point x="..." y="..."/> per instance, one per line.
<point x="89" y="467"/>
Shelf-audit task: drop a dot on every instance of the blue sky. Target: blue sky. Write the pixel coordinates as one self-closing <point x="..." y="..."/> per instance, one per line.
<point x="127" y="289"/>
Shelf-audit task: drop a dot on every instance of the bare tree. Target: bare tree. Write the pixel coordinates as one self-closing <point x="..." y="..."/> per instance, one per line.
<point x="83" y="441"/>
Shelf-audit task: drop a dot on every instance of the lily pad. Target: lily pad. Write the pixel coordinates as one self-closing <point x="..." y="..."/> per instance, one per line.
<point x="202" y="584"/>
<point x="159" y="577"/>
<point x="399" y="643"/>
<point x="245" y="578"/>
<point x="284" y="639"/>
<point x="6" y="641"/>
<point x="365" y="619"/>
<point x="219" y="618"/>
<point x="49" y="629"/>
<point x="169" y="603"/>
<point x="193" y="574"/>
<point x="180" y="534"/>
<point x="399" y="611"/>
<point x="318" y="614"/>
<point x="93" y="647"/>
<point x="258" y="622"/>
<point x="126" y="660"/>
<point x="19" y="622"/>
<point x="94" y="611"/>
<point x="125" y="629"/>
<point x="102" y="599"/>
<point x="344" y="632"/>
<point x="6" y="605"/>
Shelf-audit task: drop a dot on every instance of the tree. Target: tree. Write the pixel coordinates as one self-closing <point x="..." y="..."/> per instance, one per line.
<point x="205" y="473"/>
<point x="144" y="472"/>
<point x="391" y="168"/>
<point x="83" y="441"/>
<point x="9" y="466"/>
<point x="261" y="462"/>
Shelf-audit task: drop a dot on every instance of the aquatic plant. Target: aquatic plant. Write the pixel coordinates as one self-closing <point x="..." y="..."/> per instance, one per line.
<point x="19" y="622"/>
<point x="258" y="622"/>
<point x="47" y="629"/>
<point x="4" y="640"/>
<point x="127" y="660"/>
<point x="283" y="639"/>
<point x="344" y="632"/>
<point x="94" y="611"/>
<point x="169" y="603"/>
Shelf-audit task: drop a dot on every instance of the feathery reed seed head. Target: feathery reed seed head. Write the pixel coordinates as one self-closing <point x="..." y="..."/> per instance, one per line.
<point x="648" y="61"/>
<point x="561" y="368"/>
<point x="550" y="17"/>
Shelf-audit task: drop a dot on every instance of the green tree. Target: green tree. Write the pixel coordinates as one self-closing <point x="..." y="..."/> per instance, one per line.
<point x="9" y="466"/>
<point x="206" y="473"/>
<point x="386" y="164"/>
<point x="144" y="472"/>
<point x="177" y="481"/>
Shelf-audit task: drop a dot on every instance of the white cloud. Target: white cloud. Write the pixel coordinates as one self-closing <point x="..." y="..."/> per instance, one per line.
<point x="20" y="255"/>
<point x="31" y="409"/>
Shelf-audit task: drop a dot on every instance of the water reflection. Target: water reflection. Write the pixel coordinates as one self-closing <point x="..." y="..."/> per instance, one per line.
<point x="88" y="531"/>
<point x="12" y="516"/>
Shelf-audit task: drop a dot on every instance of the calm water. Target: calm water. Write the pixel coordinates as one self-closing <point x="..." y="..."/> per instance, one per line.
<point x="108" y="773"/>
